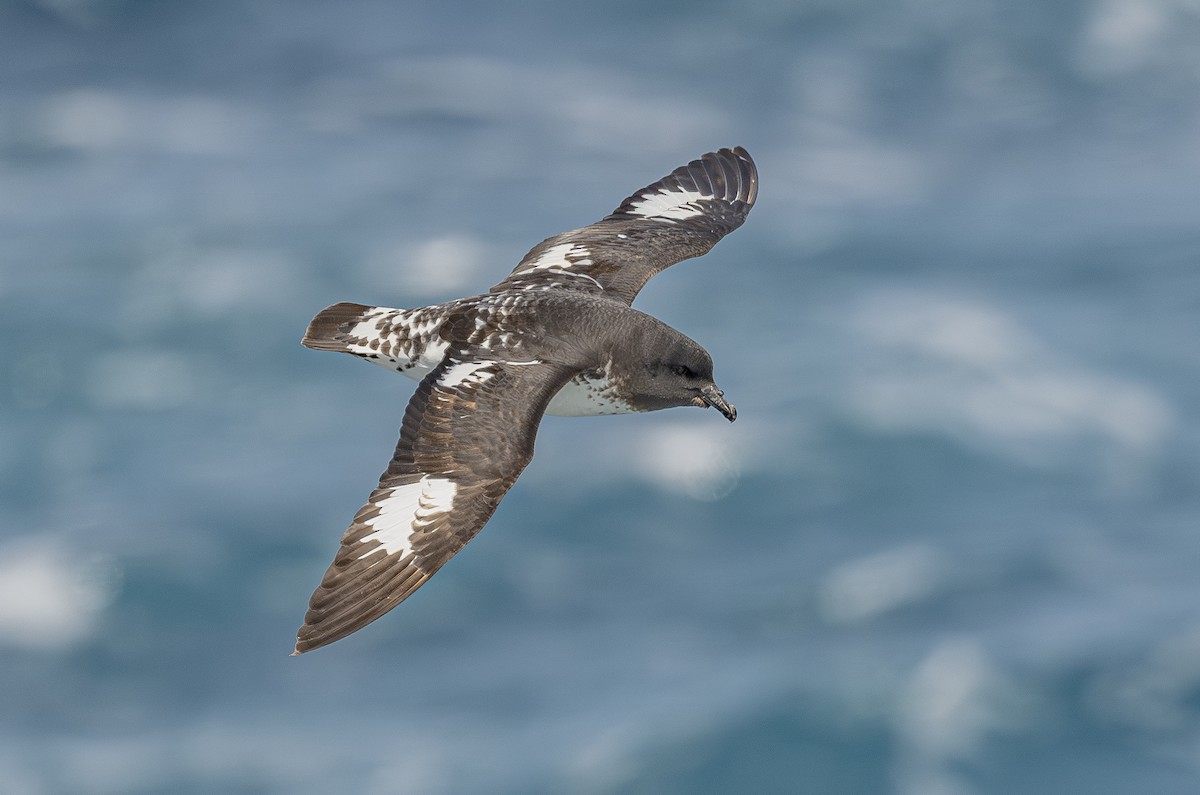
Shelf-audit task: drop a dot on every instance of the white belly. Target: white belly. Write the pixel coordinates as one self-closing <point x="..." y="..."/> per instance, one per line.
<point x="585" y="396"/>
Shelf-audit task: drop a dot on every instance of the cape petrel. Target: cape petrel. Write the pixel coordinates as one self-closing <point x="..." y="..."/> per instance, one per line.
<point x="556" y="336"/>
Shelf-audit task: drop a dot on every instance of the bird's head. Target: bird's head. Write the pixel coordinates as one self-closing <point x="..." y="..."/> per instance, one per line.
<point x="680" y="373"/>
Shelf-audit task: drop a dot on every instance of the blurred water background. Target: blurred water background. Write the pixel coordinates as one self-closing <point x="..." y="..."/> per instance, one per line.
<point x="951" y="547"/>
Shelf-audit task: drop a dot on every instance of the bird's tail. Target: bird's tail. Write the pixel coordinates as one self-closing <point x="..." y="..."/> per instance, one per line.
<point x="335" y="328"/>
<point x="406" y="340"/>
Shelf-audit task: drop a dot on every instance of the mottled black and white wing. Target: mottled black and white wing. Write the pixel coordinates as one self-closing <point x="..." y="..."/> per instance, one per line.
<point x="680" y="216"/>
<point x="467" y="434"/>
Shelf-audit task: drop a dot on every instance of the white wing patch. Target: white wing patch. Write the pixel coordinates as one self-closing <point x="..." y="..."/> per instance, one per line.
<point x="405" y="509"/>
<point x="676" y="205"/>
<point x="467" y="374"/>
<point x="564" y="255"/>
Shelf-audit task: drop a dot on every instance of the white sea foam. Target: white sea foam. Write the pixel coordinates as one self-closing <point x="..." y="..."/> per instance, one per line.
<point x="969" y="370"/>
<point x="690" y="457"/>
<point x="50" y="598"/>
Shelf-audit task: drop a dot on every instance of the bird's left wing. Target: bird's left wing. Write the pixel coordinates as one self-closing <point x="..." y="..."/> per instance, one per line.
<point x="680" y="216"/>
<point x="467" y="434"/>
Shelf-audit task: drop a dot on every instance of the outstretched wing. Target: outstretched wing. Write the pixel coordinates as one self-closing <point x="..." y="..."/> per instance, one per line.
<point x="682" y="215"/>
<point x="467" y="434"/>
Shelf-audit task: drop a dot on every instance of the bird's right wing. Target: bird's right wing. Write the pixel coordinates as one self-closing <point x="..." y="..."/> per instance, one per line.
<point x="468" y="433"/>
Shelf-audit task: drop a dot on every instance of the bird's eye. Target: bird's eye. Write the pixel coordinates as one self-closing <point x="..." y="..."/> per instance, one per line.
<point x="682" y="370"/>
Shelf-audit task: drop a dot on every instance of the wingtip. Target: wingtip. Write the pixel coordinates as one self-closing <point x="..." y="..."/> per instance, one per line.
<point x="732" y="173"/>
<point x="746" y="171"/>
<point x="304" y="647"/>
<point x="308" y="641"/>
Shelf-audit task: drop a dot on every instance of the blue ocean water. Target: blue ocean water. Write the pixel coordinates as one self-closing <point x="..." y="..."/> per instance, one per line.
<point x="949" y="548"/>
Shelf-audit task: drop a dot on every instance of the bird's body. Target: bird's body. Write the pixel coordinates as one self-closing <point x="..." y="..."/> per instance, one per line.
<point x="556" y="336"/>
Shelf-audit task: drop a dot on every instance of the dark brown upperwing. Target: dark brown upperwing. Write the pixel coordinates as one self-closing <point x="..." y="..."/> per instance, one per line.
<point x="680" y="216"/>
<point x="467" y="434"/>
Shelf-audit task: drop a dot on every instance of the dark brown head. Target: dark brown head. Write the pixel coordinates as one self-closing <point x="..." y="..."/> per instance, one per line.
<point x="675" y="371"/>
